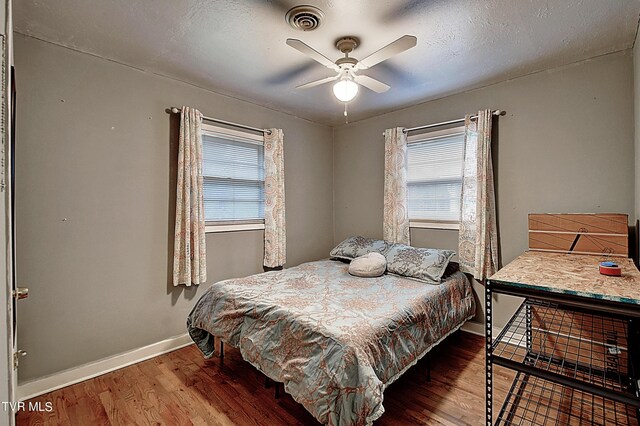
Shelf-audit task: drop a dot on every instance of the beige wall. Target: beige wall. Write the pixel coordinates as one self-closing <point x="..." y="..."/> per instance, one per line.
<point x="636" y="102"/>
<point x="565" y="145"/>
<point x="94" y="161"/>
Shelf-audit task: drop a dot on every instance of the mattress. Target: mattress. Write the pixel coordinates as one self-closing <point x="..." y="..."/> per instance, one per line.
<point x="336" y="341"/>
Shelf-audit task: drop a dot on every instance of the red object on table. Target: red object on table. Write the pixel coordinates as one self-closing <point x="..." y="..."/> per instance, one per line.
<point x="610" y="268"/>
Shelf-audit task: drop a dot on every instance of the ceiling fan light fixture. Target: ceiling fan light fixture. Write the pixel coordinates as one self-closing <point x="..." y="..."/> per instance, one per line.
<point x="345" y="90"/>
<point x="348" y="83"/>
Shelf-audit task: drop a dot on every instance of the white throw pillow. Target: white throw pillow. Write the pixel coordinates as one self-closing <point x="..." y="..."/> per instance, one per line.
<point x="368" y="265"/>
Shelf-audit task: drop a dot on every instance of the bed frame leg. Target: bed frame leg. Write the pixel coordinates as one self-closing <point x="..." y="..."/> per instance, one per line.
<point x="221" y="349"/>
<point x="428" y="359"/>
<point x="267" y="382"/>
<point x="277" y="390"/>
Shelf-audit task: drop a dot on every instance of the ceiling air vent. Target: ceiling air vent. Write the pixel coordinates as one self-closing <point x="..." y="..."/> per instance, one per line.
<point x="305" y="17"/>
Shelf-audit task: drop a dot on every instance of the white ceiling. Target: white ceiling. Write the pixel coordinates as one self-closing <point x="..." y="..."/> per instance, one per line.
<point x="238" y="47"/>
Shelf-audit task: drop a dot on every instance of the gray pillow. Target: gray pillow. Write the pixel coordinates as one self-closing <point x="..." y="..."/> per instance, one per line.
<point x="369" y="265"/>
<point x="354" y="247"/>
<point x="427" y="265"/>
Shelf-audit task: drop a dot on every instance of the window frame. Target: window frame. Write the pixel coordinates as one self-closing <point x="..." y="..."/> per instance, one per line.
<point x="434" y="223"/>
<point x="212" y="226"/>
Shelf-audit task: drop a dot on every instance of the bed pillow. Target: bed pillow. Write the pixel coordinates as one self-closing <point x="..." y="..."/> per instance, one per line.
<point x="424" y="264"/>
<point x="367" y="266"/>
<point x="354" y="247"/>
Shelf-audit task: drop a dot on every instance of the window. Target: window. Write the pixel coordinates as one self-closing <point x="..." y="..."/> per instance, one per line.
<point x="233" y="179"/>
<point x="434" y="178"/>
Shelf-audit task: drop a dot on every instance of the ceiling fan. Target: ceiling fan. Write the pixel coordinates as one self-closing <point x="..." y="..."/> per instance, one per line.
<point x="348" y="80"/>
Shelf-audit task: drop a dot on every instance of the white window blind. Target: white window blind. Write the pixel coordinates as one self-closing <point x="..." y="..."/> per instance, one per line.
<point x="233" y="177"/>
<point x="434" y="176"/>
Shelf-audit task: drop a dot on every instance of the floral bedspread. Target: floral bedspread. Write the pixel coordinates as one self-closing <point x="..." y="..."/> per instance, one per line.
<point x="334" y="340"/>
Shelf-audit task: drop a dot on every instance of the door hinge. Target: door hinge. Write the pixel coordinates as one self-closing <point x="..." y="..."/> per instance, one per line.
<point x="16" y="357"/>
<point x="21" y="293"/>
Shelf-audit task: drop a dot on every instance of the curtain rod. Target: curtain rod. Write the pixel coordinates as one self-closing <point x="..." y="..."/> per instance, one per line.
<point x="176" y="110"/>
<point x="444" y="123"/>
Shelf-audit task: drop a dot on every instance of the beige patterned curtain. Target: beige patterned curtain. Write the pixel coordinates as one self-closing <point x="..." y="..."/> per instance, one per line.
<point x="189" y="252"/>
<point x="478" y="241"/>
<point x="395" y="227"/>
<point x="275" y="232"/>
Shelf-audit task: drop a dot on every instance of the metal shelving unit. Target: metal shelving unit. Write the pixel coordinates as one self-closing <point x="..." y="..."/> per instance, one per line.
<point x="573" y="344"/>
<point x="573" y="366"/>
<point x="575" y="360"/>
<point x="535" y="401"/>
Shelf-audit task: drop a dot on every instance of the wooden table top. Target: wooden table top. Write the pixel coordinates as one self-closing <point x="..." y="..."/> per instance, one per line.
<point x="573" y="274"/>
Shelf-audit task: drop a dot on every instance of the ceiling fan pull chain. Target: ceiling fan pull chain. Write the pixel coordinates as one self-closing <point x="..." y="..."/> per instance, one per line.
<point x="346" y="117"/>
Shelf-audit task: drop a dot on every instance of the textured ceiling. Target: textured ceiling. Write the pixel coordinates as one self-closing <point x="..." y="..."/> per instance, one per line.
<point x="238" y="47"/>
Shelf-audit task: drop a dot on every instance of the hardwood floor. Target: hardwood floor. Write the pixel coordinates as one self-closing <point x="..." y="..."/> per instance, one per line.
<point x="181" y="388"/>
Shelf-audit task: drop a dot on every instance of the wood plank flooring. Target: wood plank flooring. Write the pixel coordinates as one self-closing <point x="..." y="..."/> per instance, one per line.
<point x="181" y="388"/>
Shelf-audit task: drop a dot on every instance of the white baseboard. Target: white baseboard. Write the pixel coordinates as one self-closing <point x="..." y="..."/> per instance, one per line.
<point x="84" y="372"/>
<point x="473" y="327"/>
<point x="33" y="388"/>
<point x="477" y="328"/>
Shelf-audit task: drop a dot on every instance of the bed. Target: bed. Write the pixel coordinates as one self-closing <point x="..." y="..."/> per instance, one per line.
<point x="334" y="340"/>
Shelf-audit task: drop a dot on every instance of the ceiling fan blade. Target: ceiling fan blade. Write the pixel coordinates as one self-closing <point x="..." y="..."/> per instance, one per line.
<point x="312" y="53"/>
<point x="400" y="45"/>
<point x="371" y="83"/>
<point x="318" y="82"/>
